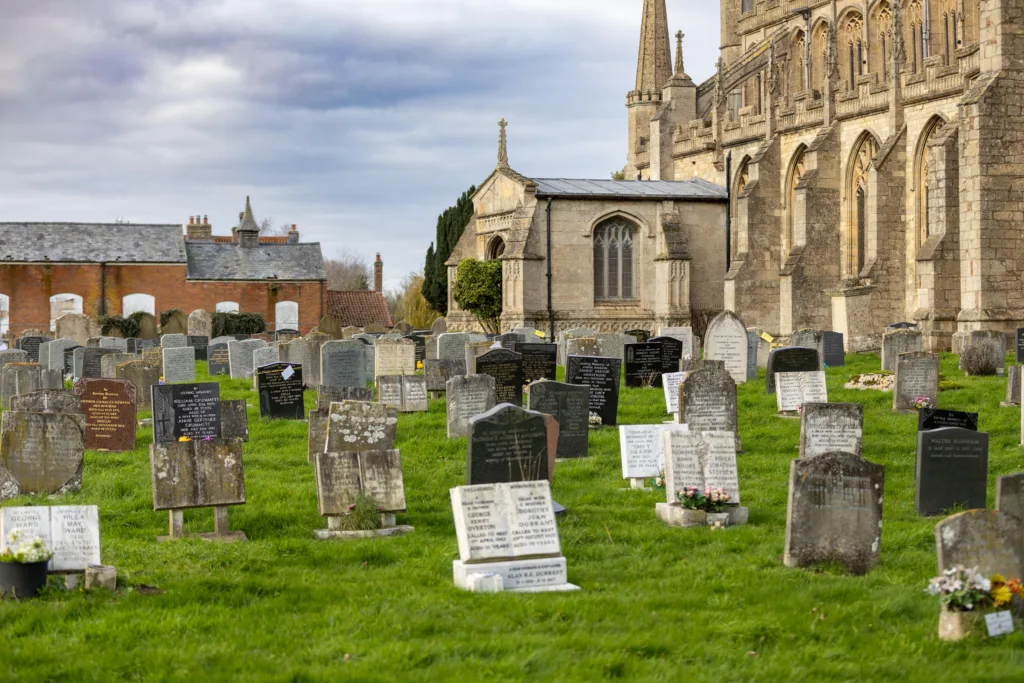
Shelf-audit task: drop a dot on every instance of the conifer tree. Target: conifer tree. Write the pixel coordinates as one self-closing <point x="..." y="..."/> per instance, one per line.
<point x="450" y="226"/>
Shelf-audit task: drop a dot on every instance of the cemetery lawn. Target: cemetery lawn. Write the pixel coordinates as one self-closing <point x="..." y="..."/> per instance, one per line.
<point x="657" y="603"/>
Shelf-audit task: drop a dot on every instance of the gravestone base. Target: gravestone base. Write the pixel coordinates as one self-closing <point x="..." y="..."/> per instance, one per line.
<point x="220" y="534"/>
<point x="673" y="514"/>
<point x="73" y="581"/>
<point x="1004" y="404"/>
<point x="334" y="532"/>
<point x="518" y="576"/>
<point x="101" y="577"/>
<point x="789" y="415"/>
<point x="637" y="485"/>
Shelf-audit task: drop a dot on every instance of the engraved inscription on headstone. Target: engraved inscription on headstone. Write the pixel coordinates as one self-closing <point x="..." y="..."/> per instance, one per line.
<point x="507" y="444"/>
<point x="952" y="470"/>
<point x="279" y="386"/>
<point x="186" y="410"/>
<point x="602" y="376"/>
<point x="506" y="367"/>
<point x="109" y="407"/>
<point x="570" y="406"/>
<point x="831" y="428"/>
<point x="467" y="396"/>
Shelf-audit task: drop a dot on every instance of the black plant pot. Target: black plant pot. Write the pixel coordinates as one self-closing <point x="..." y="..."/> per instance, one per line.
<point x="22" y="581"/>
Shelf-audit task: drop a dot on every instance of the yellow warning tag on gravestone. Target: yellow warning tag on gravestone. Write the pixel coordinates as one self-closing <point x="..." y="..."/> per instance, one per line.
<point x="767" y="337"/>
<point x="539" y="333"/>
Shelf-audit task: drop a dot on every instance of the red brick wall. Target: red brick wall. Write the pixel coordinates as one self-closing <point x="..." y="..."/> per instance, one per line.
<point x="31" y="286"/>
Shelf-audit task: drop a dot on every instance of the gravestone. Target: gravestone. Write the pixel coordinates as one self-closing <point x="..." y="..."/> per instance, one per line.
<point x="109" y="363"/>
<point x="430" y="348"/>
<point x="91" y="362"/>
<point x="264" y="356"/>
<point x="506" y="367"/>
<point x="331" y="326"/>
<point x="810" y="339"/>
<point x="602" y="376"/>
<point x="109" y="407"/>
<point x="642" y="450"/>
<point x="437" y="373"/>
<point x="790" y="359"/>
<point x="148" y="326"/>
<point x="1010" y="496"/>
<point x="753" y="342"/>
<point x="670" y="382"/>
<point x="831" y="428"/>
<point x="834" y="350"/>
<point x="898" y="342"/>
<point x="342" y="477"/>
<point x="726" y="340"/>
<point x="179" y="364"/>
<point x="834" y="512"/>
<point x="69" y="360"/>
<point x="47" y="401"/>
<point x="118" y="344"/>
<point x="917" y="375"/>
<point x="358" y="427"/>
<point x="77" y="327"/>
<point x="343" y="364"/>
<point x="286" y="334"/>
<point x="643" y="365"/>
<point x="201" y="346"/>
<point x="451" y="346"/>
<point x="327" y="395"/>
<point x="194" y="474"/>
<point x="173" y="322"/>
<point x="1019" y="339"/>
<point x="467" y="396"/>
<point x="143" y="375"/>
<point x="995" y="337"/>
<point x="474" y="350"/>
<point x="30" y="345"/>
<point x="793" y="389"/>
<point x="564" y="337"/>
<point x="707" y="401"/>
<point x="683" y="334"/>
<point x="192" y="411"/>
<point x="240" y="360"/>
<point x="406" y="393"/>
<point x="672" y="353"/>
<point x="234" y="420"/>
<point x="439" y="327"/>
<point x="507" y="444"/>
<point x="952" y="470"/>
<point x="279" y="386"/>
<point x="217" y="361"/>
<point x="56" y="350"/>
<point x="933" y="418"/>
<point x="70" y="532"/>
<point x="903" y="326"/>
<point x="613" y="345"/>
<point x="51" y="379"/>
<point x="507" y="535"/>
<point x="641" y="336"/>
<point x="570" y="406"/>
<point x="1013" y="387"/>
<point x="18" y="378"/>
<point x="13" y="356"/>
<point x="349" y="331"/>
<point x="41" y="453"/>
<point x="540" y="361"/>
<point x="304" y="352"/>
<point x="200" y="324"/>
<point x="705" y="459"/>
<point x="420" y="343"/>
<point x="173" y="341"/>
<point x="394" y="357"/>
<point x="509" y="341"/>
<point x="986" y="539"/>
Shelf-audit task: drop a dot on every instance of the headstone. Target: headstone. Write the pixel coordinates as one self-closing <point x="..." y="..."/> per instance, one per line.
<point x="30" y="345"/>
<point x="452" y="346"/>
<point x="564" y="337"/>
<point x="69" y="360"/>
<point x="192" y="411"/>
<point x="143" y="375"/>
<point x="467" y="396"/>
<point x="201" y="346"/>
<point x="286" y="334"/>
<point x="304" y="352"/>
<point x="406" y="393"/>
<point x="240" y="358"/>
<point x="173" y="341"/>
<point x="582" y="346"/>
<point x="56" y="350"/>
<point x="355" y="426"/>
<point x="91" y="365"/>
<point x="51" y="379"/>
<point x="670" y="382"/>
<point x="834" y="512"/>
<point x="173" y="322"/>
<point x="395" y="357"/>
<point x="835" y="350"/>
<point x="420" y="343"/>
<point x="810" y="339"/>
<point x="702" y="460"/>
<point x="265" y="356"/>
<point x="118" y="344"/>
<point x="331" y="326"/>
<point x="602" y="376"/>
<point x="109" y="363"/>
<point x="148" y="326"/>
<point x="70" y="532"/>
<point x="76" y="326"/>
<point x="790" y="359"/>
<point x="753" y="342"/>
<point x="179" y="364"/>
<point x="672" y="353"/>
<point x="475" y="349"/>
<point x="430" y="348"/>
<point x="342" y="476"/>
<point x="540" y="361"/>
<point x="899" y="341"/>
<point x="952" y="470"/>
<point x="234" y="420"/>
<point x="109" y="407"/>
<point x="18" y="378"/>
<point x="217" y="361"/>
<point x="506" y="367"/>
<point x="726" y="340"/>
<point x="437" y="374"/>
<point x="641" y="336"/>
<point x="41" y="453"/>
<point x="934" y="418"/>
<point x="194" y="474"/>
<point x="1019" y="339"/>
<point x="279" y="386"/>
<point x="683" y="334"/>
<point x="343" y="364"/>
<point x="13" y="356"/>
<point x="1013" y="386"/>
<point x="613" y="345"/>
<point x="986" y="539"/>
<point x="794" y="389"/>
<point x="47" y="401"/>
<point x="439" y="327"/>
<point x="831" y="428"/>
<point x="325" y="396"/>
<point x="903" y="326"/>
<point x="996" y="338"/>
<point x="200" y="324"/>
<point x="707" y="401"/>
<point x="643" y="365"/>
<point x="642" y="449"/>
<point x="507" y="444"/>
<point x="917" y="376"/>
<point x="570" y="406"/>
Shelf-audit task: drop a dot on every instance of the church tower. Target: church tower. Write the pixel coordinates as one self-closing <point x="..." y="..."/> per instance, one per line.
<point x="653" y="71"/>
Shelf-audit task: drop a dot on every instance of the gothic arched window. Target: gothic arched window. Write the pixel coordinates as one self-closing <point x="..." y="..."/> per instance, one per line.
<point x="495" y="249"/>
<point x="614" y="251"/>
<point x="861" y="160"/>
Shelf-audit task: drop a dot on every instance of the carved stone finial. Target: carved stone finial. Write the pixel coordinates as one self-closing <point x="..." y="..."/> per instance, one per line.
<point x="679" y="53"/>
<point x="831" y="51"/>
<point x="774" y="70"/>
<point x="899" y="47"/>
<point x="502" y="143"/>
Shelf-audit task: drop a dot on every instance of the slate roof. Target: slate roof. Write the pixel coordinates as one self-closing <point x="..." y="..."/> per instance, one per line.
<point x="692" y="190"/>
<point x="358" y="309"/>
<point x="91" y="243"/>
<point x="215" y="261"/>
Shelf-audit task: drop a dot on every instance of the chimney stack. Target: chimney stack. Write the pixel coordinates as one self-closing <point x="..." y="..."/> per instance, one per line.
<point x="191" y="220"/>
<point x="199" y="229"/>
<point x="378" y="275"/>
<point x="293" y="235"/>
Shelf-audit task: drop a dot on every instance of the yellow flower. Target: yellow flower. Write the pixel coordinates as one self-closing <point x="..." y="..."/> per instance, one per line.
<point x="419" y="365"/>
<point x="183" y="439"/>
<point x="1001" y="595"/>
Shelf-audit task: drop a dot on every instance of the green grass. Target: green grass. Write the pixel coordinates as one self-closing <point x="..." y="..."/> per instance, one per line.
<point x="657" y="603"/>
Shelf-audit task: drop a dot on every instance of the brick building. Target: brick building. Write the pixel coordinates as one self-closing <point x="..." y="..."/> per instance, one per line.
<point x="362" y="308"/>
<point x="49" y="269"/>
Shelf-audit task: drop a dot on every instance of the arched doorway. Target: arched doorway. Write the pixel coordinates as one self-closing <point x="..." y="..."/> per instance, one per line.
<point x="495" y="248"/>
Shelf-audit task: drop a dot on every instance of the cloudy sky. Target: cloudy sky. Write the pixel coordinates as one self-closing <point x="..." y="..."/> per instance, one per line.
<point x="358" y="120"/>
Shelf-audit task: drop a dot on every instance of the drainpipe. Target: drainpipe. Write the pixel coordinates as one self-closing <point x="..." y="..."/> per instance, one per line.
<point x="551" y="310"/>
<point x="103" y="288"/>
<point x="728" y="212"/>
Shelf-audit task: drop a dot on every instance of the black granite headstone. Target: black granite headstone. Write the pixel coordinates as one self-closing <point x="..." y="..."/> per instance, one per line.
<point x="91" y="361"/>
<point x="507" y="444"/>
<point x="186" y="410"/>
<point x="69" y="360"/>
<point x="200" y="344"/>
<point x="672" y="352"/>
<point x="835" y="354"/>
<point x="952" y="470"/>
<point x="602" y="376"/>
<point x="569" y="404"/>
<point x="506" y="367"/>
<point x="217" y="360"/>
<point x="790" y="359"/>
<point x="933" y="418"/>
<point x="540" y="361"/>
<point x="643" y="365"/>
<point x="641" y="336"/>
<point x="31" y="346"/>
<point x="279" y="386"/>
<point x="420" y="343"/>
<point x="1020" y="344"/>
<point x="141" y="344"/>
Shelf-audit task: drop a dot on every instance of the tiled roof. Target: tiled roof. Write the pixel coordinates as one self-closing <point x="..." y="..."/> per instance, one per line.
<point x="697" y="190"/>
<point x="91" y="243"/>
<point x="216" y="261"/>
<point x="358" y="309"/>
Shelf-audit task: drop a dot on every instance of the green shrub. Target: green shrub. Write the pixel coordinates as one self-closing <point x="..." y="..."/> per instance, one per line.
<point x="477" y="290"/>
<point x="225" y="324"/>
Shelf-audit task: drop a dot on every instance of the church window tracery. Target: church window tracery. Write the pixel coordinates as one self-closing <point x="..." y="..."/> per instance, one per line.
<point x="797" y="169"/>
<point x="614" y="249"/>
<point x="864" y="154"/>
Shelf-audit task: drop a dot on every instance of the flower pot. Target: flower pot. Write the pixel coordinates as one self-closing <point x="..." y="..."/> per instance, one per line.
<point x="718" y="519"/>
<point x="22" y="581"/>
<point x="956" y="625"/>
<point x="694" y="517"/>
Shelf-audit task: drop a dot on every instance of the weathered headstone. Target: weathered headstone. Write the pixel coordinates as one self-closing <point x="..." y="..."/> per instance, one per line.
<point x="173" y="341"/>
<point x="76" y="326"/>
<point x="331" y="326"/>
<point x="148" y="328"/>
<point x="439" y="327"/>
<point x="643" y="365"/>
<point x="13" y="356"/>
<point x="144" y="376"/>
<point x="540" y="361"/>
<point x="18" y="378"/>
<point x="118" y="344"/>
<point x="234" y="420"/>
<point x="356" y="426"/>
<point x="475" y="349"/>
<point x="753" y="342"/>
<point x="395" y="357"/>
<point x="835" y="512"/>
<point x="56" y="350"/>
<point x="467" y="396"/>
<point x="265" y="356"/>
<point x="705" y="459"/>
<point x="602" y="376"/>
<point x="91" y="362"/>
<point x="437" y="373"/>
<point x="987" y="539"/>
<point x="810" y="339"/>
<point x="200" y="324"/>
<point x="793" y="389"/>
<point x="790" y="359"/>
<point x="831" y="428"/>
<point x="570" y="406"/>
<point x="343" y="364"/>
<point x="507" y="444"/>
<point x="1013" y="386"/>
<point x="726" y="340"/>
<point x="192" y="411"/>
<point x="51" y="379"/>
<point x="917" y="376"/>
<point x="109" y="363"/>
<point x="279" y="386"/>
<point x="194" y="474"/>
<point x="641" y="336"/>
<point x="451" y="346"/>
<point x="613" y="345"/>
<point x="109" y="407"/>
<point x="952" y="470"/>
<point x="47" y="401"/>
<point x="41" y="453"/>
<point x="899" y="341"/>
<point x="407" y="393"/>
<point x="217" y="360"/>
<point x="564" y="337"/>
<point x="683" y="334"/>
<point x="179" y="364"/>
<point x="240" y="357"/>
<point x="670" y="382"/>
<point x="707" y="401"/>
<point x="506" y="367"/>
<point x="342" y="477"/>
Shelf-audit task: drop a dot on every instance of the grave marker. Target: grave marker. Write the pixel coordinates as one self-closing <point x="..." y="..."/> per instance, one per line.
<point x="507" y="444"/>
<point x="192" y="411"/>
<point x="726" y="340"/>
<point x="793" y="389"/>
<point x="144" y="376"/>
<point x="201" y="345"/>
<point x="109" y="407"/>
<point x="47" y="401"/>
<point x="602" y="376"/>
<point x="642" y="450"/>
<point x="540" y="361"/>
<point x="952" y="470"/>
<point x="240" y="357"/>
<point x="506" y="367"/>
<point x="279" y="386"/>
<point x="790" y="359"/>
<point x="707" y="401"/>
<point x="899" y="341"/>
<point x="41" y="453"/>
<point x="570" y="406"/>
<point x="467" y="396"/>
<point x="643" y="365"/>
<point x="217" y="360"/>
<point x="343" y="364"/>
<point x="70" y="532"/>
<point x="917" y="375"/>
<point x="179" y="364"/>
<point x="355" y="426"/>
<point x="831" y="428"/>
<point x="933" y="418"/>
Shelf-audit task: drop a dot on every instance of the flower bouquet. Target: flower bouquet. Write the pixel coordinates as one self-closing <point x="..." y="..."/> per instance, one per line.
<point x="23" y="566"/>
<point x="965" y="594"/>
<point x="707" y="504"/>
<point x="923" y="403"/>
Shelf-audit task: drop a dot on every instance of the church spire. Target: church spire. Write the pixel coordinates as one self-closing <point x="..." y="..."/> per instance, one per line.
<point x="654" y="66"/>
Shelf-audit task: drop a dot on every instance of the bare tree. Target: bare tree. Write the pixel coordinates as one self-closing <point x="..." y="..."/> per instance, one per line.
<point x="348" y="272"/>
<point x="267" y="228"/>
